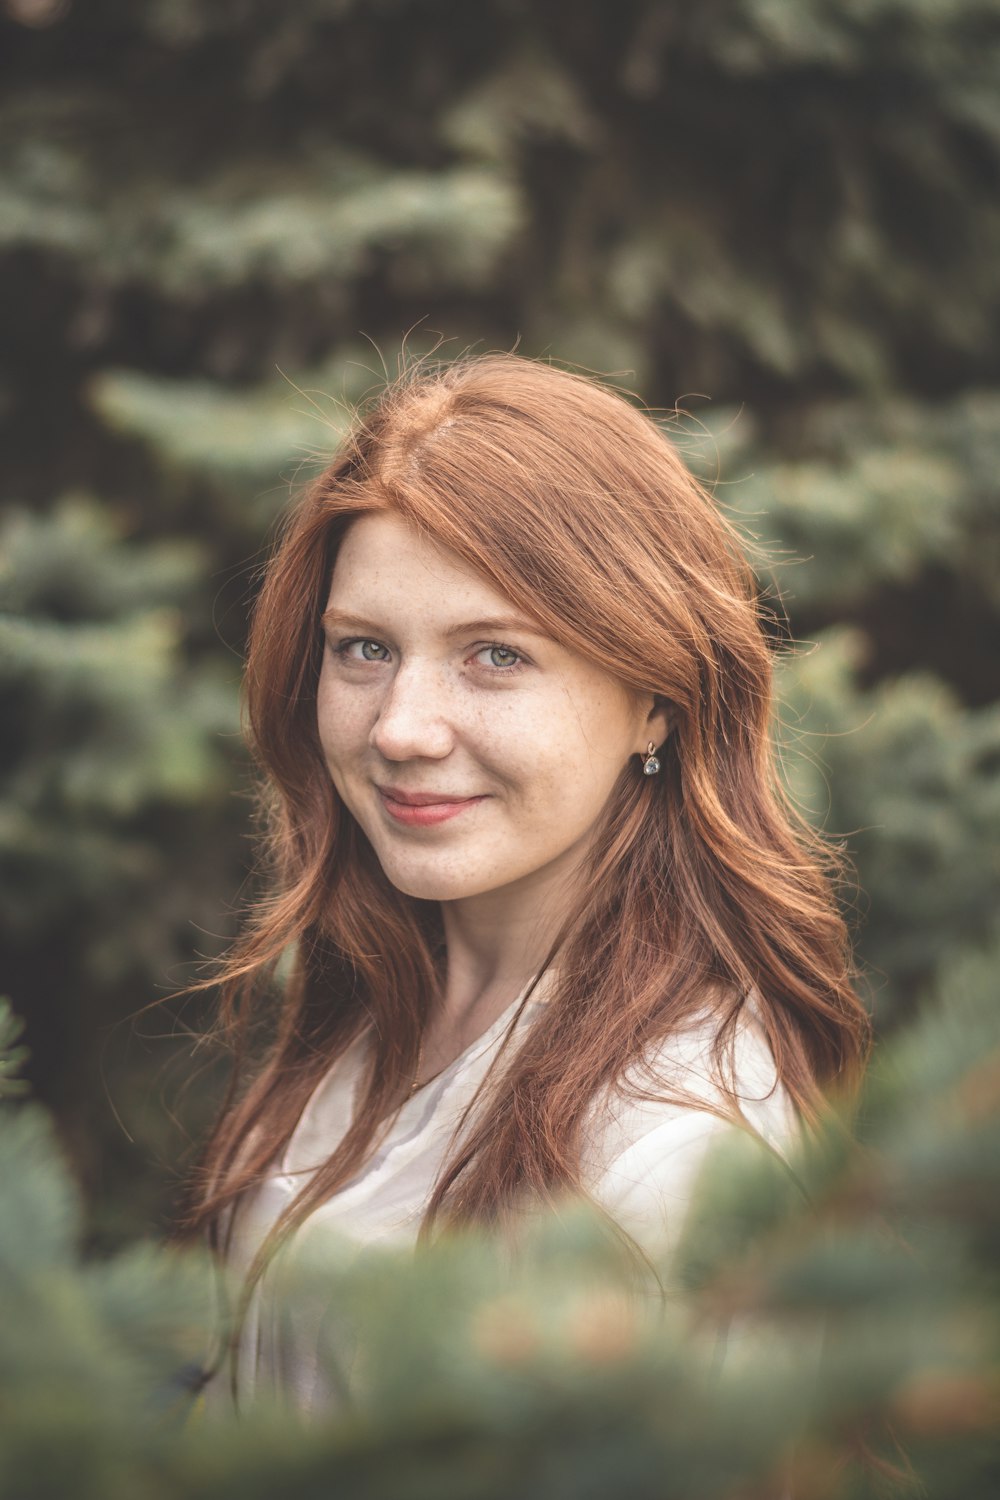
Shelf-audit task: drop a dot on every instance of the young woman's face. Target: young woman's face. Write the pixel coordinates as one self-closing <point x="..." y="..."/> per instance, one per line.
<point x="435" y="691"/>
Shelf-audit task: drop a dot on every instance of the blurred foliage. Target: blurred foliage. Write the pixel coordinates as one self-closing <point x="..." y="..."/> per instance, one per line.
<point x="117" y="775"/>
<point x="218" y="226"/>
<point x="827" y="1319"/>
<point x="914" y="779"/>
<point x="12" y="1056"/>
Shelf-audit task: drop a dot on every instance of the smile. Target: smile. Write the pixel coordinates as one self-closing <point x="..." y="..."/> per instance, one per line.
<point x="421" y="815"/>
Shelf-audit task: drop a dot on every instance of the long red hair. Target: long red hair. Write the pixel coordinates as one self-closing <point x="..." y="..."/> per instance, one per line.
<point x="704" y="883"/>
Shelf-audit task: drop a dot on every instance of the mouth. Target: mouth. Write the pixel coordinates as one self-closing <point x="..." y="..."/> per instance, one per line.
<point x="420" y="809"/>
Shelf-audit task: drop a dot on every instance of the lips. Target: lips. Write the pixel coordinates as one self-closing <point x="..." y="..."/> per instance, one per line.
<point x="422" y="799"/>
<point x="423" y="809"/>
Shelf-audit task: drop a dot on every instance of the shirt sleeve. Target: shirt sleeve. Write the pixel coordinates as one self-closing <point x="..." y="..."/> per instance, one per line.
<point x="648" y="1188"/>
<point x="649" y="1181"/>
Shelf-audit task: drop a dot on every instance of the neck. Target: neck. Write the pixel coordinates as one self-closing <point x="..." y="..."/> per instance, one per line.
<point x="498" y="941"/>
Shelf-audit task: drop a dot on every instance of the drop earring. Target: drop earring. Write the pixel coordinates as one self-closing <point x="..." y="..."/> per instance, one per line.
<point x="650" y="764"/>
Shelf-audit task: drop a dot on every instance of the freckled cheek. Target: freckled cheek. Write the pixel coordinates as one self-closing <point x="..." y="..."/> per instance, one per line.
<point x="341" y="727"/>
<point x="521" y="748"/>
<point x="560" y="811"/>
<point x="541" y="770"/>
<point x="566" y="783"/>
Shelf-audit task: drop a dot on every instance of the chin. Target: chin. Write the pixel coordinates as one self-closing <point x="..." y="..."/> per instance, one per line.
<point x="430" y="887"/>
<point x="434" y="885"/>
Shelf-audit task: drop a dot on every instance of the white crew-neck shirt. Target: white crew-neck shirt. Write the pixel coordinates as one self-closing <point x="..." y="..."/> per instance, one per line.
<point x="640" y="1164"/>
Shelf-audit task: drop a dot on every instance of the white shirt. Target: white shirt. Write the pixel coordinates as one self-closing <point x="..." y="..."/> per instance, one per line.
<point x="640" y="1164"/>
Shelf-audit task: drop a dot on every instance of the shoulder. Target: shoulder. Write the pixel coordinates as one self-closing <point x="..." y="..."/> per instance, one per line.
<point x="650" y="1136"/>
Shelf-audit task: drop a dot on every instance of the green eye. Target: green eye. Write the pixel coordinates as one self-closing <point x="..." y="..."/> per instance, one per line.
<point x="370" y="650"/>
<point x="503" y="659"/>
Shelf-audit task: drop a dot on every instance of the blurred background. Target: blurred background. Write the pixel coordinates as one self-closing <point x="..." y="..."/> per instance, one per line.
<point x="220" y="222"/>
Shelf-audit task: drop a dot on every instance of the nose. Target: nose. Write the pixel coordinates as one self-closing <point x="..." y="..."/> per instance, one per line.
<point x="413" y="720"/>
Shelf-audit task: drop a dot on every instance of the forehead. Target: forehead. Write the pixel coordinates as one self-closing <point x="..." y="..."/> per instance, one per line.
<point x="390" y="576"/>
<point x="383" y="559"/>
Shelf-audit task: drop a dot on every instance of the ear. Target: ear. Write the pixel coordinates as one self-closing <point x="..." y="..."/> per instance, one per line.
<point x="659" y="721"/>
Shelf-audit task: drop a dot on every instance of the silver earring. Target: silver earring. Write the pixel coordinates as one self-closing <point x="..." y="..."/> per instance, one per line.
<point x="650" y="764"/>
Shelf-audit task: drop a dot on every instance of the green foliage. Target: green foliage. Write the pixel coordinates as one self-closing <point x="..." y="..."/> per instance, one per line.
<point x="877" y="497"/>
<point x="910" y="778"/>
<point x="12" y="1057"/>
<point x="115" y="799"/>
<point x="91" y="658"/>
<point x="852" y="1300"/>
<point x="86" y="1348"/>
<point x="790" y="207"/>
<point x="193" y="240"/>
<point x="595" y="182"/>
<point x="239" y="441"/>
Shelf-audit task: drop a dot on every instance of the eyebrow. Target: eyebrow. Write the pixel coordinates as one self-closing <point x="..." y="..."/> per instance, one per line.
<point x="494" y="623"/>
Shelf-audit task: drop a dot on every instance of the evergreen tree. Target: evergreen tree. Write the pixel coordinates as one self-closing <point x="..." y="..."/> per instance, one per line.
<point x="214" y="223"/>
<point x="820" y="1327"/>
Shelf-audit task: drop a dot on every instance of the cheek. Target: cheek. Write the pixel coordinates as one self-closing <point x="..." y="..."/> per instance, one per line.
<point x="339" y="717"/>
<point x="523" y="743"/>
<point x="565" y="767"/>
<point x="566" y="801"/>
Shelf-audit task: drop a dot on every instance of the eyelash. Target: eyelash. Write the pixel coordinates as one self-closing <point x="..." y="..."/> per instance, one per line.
<point x="341" y="649"/>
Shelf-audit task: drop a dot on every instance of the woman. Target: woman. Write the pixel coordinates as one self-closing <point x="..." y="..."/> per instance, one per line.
<point x="547" y="921"/>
